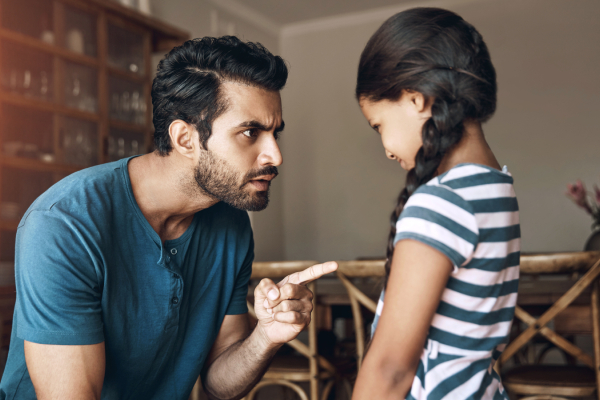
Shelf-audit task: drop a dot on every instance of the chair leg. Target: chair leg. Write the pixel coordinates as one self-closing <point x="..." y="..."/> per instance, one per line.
<point x="312" y="343"/>
<point x="327" y="389"/>
<point x="596" y="332"/>
<point x="196" y="390"/>
<point x="291" y="385"/>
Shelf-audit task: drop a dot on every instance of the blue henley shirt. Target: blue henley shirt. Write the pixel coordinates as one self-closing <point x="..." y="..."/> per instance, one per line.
<point x="90" y="268"/>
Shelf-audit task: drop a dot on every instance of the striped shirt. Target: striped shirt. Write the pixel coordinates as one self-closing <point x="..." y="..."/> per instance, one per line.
<point x="470" y="214"/>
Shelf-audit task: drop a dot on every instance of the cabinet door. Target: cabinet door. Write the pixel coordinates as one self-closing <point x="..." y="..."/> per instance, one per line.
<point x="33" y="18"/>
<point x="80" y="87"/>
<point x="26" y="72"/>
<point x="79" y="142"/>
<point x="78" y="31"/>
<point x="123" y="143"/>
<point x="127" y="100"/>
<point x="27" y="133"/>
<point x="126" y="48"/>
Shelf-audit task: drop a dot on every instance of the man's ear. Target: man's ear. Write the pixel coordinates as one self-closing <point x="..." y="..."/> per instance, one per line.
<point x="182" y="137"/>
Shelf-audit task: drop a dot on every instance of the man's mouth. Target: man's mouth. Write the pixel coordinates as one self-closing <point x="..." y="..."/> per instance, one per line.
<point x="262" y="183"/>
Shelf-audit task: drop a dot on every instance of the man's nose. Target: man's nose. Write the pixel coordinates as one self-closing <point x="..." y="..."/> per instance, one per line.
<point x="390" y="155"/>
<point x="270" y="153"/>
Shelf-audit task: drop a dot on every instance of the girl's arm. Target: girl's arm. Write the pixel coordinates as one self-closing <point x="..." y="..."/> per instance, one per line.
<point x="418" y="277"/>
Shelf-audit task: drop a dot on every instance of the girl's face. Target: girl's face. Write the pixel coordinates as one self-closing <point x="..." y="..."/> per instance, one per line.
<point x="400" y="124"/>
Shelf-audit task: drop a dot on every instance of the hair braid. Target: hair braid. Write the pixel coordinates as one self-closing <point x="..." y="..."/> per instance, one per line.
<point x="440" y="133"/>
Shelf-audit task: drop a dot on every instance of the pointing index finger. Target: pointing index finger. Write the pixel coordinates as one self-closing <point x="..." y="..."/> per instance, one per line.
<point x="310" y="274"/>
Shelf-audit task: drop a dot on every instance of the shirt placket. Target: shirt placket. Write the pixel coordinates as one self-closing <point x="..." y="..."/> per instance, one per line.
<point x="171" y="262"/>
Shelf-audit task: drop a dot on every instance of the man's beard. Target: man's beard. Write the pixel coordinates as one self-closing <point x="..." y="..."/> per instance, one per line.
<point x="219" y="180"/>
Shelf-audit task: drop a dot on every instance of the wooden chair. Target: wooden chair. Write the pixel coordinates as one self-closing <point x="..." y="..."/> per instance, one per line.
<point x="309" y="367"/>
<point x="359" y="269"/>
<point x="553" y="381"/>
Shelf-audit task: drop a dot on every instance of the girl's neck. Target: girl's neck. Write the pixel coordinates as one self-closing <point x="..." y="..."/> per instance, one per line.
<point x="473" y="148"/>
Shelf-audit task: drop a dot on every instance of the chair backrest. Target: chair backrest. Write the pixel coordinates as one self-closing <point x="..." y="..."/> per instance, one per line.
<point x="567" y="318"/>
<point x="359" y="269"/>
<point x="558" y="263"/>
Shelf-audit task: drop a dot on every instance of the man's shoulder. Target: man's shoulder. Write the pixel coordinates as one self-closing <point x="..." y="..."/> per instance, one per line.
<point x="87" y="191"/>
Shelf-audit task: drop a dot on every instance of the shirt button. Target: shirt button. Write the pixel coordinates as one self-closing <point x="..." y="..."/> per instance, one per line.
<point x="173" y="251"/>
<point x="175" y="300"/>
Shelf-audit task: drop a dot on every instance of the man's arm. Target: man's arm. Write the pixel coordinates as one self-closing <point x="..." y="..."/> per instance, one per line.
<point x="235" y="349"/>
<point x="64" y="372"/>
<point x="238" y="360"/>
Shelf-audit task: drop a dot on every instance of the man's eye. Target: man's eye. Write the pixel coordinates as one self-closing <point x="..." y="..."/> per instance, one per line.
<point x="248" y="133"/>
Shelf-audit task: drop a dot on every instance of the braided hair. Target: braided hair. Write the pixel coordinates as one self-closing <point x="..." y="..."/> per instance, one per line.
<point x="438" y="54"/>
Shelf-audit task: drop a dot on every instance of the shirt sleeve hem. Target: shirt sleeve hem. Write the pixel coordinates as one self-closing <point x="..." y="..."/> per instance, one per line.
<point x="454" y="259"/>
<point x="60" y="338"/>
<point x="237" y="310"/>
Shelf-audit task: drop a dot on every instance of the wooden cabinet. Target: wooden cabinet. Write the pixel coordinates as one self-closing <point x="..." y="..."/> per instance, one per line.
<point x="75" y="80"/>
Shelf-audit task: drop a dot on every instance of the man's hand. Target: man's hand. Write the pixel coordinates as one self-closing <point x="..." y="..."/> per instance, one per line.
<point x="283" y="309"/>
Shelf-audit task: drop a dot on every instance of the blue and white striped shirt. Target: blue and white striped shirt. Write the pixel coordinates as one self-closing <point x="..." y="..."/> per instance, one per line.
<point x="470" y="214"/>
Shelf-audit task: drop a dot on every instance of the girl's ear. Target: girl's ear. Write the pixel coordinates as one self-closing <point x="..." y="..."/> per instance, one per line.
<point x="418" y="100"/>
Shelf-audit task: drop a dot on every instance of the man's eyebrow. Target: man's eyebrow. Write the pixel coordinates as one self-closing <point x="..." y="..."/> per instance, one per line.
<point x="280" y="127"/>
<point x="257" y="125"/>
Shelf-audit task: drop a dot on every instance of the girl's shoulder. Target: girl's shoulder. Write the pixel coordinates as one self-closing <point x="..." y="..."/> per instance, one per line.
<point x="453" y="211"/>
<point x="469" y="175"/>
<point x="468" y="186"/>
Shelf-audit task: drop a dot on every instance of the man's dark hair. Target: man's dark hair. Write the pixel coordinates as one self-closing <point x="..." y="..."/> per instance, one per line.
<point x="188" y="82"/>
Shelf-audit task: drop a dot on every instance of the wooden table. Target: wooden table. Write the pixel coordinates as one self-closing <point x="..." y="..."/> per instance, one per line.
<point x="533" y="290"/>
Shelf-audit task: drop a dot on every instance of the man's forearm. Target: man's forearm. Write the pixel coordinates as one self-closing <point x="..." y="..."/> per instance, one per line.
<point x="239" y="368"/>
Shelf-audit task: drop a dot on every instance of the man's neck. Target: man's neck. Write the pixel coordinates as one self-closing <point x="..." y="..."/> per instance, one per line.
<point x="164" y="190"/>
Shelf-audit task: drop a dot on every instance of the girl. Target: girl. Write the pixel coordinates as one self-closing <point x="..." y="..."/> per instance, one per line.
<point x="425" y="84"/>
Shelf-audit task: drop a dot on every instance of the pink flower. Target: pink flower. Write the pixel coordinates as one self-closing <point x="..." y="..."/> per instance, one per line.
<point x="578" y="194"/>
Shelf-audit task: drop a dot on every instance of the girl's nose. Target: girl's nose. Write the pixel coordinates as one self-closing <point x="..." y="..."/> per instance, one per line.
<point x="390" y="155"/>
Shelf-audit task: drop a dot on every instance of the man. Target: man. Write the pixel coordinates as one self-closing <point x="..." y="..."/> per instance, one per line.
<point x="132" y="276"/>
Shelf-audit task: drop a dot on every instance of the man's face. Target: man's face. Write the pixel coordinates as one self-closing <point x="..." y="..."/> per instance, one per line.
<point x="243" y="153"/>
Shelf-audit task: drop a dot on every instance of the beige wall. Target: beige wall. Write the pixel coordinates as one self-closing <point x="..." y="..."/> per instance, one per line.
<point x="339" y="189"/>
<point x="336" y="189"/>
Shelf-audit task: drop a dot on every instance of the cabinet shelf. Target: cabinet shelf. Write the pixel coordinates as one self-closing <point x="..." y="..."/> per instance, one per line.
<point x="41" y="105"/>
<point x="128" y="126"/>
<point x="37" y="44"/>
<point x="37" y="165"/>
<point x="127" y="75"/>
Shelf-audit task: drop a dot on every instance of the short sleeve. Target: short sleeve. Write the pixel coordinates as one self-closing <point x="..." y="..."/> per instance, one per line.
<point x="238" y="304"/>
<point x="58" y="291"/>
<point x="442" y="219"/>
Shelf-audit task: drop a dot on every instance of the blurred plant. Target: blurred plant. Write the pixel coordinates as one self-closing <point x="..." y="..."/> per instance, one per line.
<point x="585" y="199"/>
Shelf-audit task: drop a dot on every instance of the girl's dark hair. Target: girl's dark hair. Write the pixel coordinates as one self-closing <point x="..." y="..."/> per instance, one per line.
<point x="438" y="54"/>
<point x="188" y="82"/>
